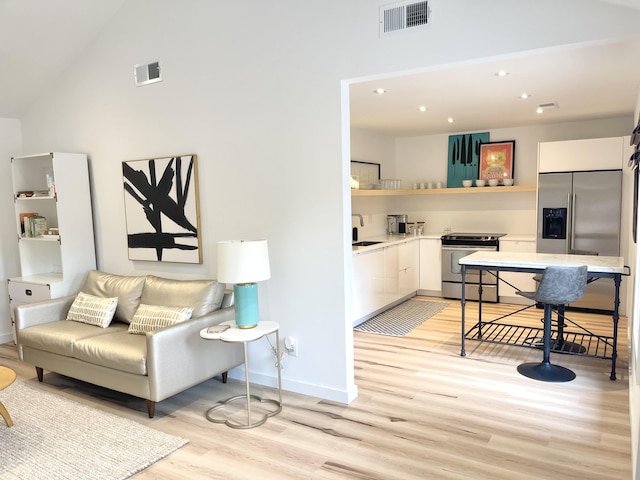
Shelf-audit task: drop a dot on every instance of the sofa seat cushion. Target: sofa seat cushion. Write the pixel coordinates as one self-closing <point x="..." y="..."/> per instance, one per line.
<point x="203" y="296"/>
<point x="118" y="351"/>
<point x="60" y="337"/>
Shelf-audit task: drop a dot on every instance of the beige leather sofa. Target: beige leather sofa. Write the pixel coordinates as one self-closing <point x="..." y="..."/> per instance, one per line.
<point x="153" y="366"/>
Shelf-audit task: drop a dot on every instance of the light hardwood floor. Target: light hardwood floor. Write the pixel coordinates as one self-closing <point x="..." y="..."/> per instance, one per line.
<point x="423" y="412"/>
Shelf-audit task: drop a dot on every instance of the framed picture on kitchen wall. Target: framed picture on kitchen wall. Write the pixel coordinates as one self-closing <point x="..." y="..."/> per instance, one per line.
<point x="462" y="161"/>
<point x="496" y="160"/>
<point x="162" y="212"/>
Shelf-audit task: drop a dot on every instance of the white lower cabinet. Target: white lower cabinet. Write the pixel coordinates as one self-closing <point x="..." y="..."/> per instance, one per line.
<point x="368" y="283"/>
<point x="382" y="276"/>
<point x="430" y="265"/>
<point x="408" y="268"/>
<point x="523" y="281"/>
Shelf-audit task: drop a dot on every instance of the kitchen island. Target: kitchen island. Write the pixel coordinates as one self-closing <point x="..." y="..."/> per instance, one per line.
<point x="498" y="331"/>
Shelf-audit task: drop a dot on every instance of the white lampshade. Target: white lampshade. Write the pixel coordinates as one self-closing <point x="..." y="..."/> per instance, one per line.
<point x="243" y="261"/>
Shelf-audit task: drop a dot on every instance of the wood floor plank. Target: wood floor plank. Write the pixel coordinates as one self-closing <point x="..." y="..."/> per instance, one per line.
<point x="423" y="411"/>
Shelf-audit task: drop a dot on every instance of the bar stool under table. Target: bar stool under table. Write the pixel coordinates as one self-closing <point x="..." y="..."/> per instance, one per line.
<point x="558" y="286"/>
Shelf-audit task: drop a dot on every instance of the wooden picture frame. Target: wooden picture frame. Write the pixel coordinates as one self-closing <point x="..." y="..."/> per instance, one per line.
<point x="162" y="211"/>
<point x="496" y="160"/>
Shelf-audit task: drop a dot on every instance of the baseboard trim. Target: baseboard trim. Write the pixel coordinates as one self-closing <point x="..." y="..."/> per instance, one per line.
<point x="325" y="393"/>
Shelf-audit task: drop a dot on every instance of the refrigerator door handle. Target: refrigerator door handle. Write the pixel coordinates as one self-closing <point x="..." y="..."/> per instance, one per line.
<point x="572" y="245"/>
<point x="570" y="225"/>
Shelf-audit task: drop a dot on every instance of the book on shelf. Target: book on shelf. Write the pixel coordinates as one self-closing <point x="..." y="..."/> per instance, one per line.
<point x="38" y="226"/>
<point x="25" y="225"/>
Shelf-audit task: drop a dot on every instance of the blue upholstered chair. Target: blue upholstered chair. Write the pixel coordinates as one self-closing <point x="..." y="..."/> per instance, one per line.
<point x="559" y="285"/>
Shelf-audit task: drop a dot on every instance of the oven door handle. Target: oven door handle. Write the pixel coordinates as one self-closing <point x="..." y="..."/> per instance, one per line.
<point x="470" y="249"/>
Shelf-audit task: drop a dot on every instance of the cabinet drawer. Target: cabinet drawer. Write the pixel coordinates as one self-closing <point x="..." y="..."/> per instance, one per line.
<point x="21" y="292"/>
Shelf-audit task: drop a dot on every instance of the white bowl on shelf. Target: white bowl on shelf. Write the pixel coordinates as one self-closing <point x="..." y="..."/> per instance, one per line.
<point x="480" y="183"/>
<point x="507" y="182"/>
<point x="493" y="182"/>
<point x="467" y="183"/>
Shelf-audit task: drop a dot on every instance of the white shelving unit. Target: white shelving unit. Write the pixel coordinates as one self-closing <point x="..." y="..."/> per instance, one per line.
<point x="52" y="267"/>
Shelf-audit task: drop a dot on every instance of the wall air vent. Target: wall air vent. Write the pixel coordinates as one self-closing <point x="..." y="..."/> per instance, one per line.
<point x="403" y="17"/>
<point x="147" y="73"/>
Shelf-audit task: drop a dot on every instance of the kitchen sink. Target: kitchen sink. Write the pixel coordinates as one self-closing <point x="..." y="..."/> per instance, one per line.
<point x="364" y="244"/>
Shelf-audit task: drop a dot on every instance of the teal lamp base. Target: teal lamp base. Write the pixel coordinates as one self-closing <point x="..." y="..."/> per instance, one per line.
<point x="246" y="304"/>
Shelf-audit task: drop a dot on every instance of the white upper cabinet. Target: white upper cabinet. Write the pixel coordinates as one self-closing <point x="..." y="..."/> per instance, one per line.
<point x="581" y="155"/>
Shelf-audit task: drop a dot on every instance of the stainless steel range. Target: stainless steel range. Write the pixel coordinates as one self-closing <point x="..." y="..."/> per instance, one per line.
<point x="458" y="245"/>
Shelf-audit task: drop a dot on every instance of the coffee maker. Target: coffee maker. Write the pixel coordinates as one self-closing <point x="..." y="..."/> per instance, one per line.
<point x="397" y="224"/>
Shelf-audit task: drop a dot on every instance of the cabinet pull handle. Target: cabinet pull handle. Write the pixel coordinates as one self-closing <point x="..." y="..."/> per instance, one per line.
<point x="28" y="292"/>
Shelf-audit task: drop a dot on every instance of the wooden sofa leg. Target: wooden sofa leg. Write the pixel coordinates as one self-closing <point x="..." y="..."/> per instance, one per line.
<point x="151" y="408"/>
<point x="224" y="377"/>
<point x="40" y="373"/>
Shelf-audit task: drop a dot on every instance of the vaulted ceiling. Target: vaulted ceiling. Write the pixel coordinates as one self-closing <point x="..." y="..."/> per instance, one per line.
<point x="40" y="38"/>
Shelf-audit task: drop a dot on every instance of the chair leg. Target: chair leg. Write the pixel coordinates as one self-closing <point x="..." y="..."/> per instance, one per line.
<point x="560" y="344"/>
<point x="151" y="408"/>
<point x="545" y="371"/>
<point x="40" y="373"/>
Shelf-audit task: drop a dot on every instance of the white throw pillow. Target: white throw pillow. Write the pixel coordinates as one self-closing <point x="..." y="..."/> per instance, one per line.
<point x="153" y="317"/>
<point x="93" y="310"/>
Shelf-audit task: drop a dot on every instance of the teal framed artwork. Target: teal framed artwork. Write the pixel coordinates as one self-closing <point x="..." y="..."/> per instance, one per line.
<point x="464" y="157"/>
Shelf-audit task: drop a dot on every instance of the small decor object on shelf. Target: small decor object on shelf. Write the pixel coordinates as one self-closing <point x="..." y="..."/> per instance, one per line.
<point x="51" y="186"/>
<point x="497" y="159"/>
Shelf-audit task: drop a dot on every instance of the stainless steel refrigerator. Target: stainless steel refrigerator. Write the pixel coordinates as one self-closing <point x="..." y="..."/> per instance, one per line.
<point x="580" y="212"/>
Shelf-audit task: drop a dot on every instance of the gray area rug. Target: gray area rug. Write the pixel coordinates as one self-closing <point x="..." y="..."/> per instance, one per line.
<point x="401" y="319"/>
<point x="56" y="438"/>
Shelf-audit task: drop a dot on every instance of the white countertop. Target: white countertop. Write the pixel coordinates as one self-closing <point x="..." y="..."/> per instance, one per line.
<point x="386" y="240"/>
<point x="595" y="263"/>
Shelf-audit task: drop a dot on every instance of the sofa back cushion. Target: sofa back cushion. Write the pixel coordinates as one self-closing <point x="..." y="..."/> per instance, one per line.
<point x="127" y="289"/>
<point x="203" y="296"/>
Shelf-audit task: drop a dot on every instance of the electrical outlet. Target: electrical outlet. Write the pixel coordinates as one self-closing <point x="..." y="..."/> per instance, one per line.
<point x="291" y="346"/>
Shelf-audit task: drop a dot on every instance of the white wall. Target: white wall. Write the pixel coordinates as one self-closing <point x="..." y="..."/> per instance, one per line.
<point x="10" y="146"/>
<point x="254" y="88"/>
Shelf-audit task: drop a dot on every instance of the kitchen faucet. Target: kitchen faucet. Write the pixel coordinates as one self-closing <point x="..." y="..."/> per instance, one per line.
<point x="361" y="219"/>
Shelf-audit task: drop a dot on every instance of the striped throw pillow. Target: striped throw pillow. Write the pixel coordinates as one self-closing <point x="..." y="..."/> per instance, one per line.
<point x="153" y="317"/>
<point x="93" y="310"/>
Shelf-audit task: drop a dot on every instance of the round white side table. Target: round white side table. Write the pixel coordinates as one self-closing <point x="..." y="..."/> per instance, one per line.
<point x="235" y="334"/>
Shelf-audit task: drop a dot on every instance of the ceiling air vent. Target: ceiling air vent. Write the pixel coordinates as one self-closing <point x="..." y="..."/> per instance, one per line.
<point x="147" y="73"/>
<point x="403" y="16"/>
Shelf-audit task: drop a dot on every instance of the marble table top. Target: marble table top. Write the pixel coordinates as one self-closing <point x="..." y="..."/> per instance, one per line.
<point x="595" y="263"/>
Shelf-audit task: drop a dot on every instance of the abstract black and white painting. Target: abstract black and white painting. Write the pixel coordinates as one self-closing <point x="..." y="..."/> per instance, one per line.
<point x="162" y="209"/>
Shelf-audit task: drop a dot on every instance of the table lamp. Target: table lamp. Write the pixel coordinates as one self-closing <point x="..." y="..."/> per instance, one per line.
<point x="243" y="263"/>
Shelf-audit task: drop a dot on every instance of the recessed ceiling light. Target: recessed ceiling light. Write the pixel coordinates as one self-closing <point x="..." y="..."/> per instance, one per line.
<point x="539" y="110"/>
<point x="380" y="91"/>
<point x="524" y="95"/>
<point x="450" y="119"/>
<point x="422" y="108"/>
<point x="501" y="73"/>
